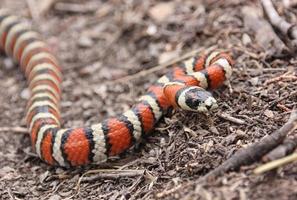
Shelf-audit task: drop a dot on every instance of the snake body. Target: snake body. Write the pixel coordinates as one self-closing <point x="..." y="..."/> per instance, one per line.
<point x="184" y="87"/>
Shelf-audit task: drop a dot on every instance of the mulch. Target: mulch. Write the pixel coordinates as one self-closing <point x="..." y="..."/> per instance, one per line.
<point x="101" y="42"/>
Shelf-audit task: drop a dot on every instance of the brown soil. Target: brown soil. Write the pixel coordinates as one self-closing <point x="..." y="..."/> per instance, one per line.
<point x="102" y="41"/>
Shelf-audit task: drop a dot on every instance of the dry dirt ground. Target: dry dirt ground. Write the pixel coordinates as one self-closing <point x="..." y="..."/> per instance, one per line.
<point x="98" y="42"/>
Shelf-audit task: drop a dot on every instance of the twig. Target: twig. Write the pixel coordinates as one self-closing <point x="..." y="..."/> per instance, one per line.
<point x="156" y="68"/>
<point x="231" y="119"/>
<point x="255" y="151"/>
<point x="116" y="175"/>
<point x="276" y="163"/>
<point x="284" y="77"/>
<point x="283" y="107"/>
<point x="14" y="129"/>
<point x="288" y="146"/>
<point x="9" y="193"/>
<point x="108" y="173"/>
<point x="287" y="29"/>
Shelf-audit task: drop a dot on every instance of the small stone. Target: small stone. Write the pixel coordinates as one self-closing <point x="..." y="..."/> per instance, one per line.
<point x="101" y="90"/>
<point x="25" y="94"/>
<point x="246" y="39"/>
<point x="254" y="81"/>
<point x="8" y="63"/>
<point x="151" y="30"/>
<point x="85" y="42"/>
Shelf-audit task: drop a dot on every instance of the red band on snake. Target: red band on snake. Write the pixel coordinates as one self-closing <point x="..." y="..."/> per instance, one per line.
<point x="184" y="87"/>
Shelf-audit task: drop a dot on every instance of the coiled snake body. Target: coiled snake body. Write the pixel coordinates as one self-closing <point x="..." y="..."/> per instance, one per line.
<point x="184" y="86"/>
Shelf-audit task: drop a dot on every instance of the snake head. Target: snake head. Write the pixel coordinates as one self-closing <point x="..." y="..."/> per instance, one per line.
<point x="197" y="99"/>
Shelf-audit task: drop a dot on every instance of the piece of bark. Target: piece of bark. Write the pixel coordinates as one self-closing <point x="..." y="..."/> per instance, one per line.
<point x="288" y="146"/>
<point x="264" y="33"/>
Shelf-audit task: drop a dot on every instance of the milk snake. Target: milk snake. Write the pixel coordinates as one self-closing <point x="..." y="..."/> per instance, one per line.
<point x="184" y="87"/>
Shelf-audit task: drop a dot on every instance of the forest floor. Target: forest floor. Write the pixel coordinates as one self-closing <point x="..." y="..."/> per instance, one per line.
<point x="100" y="42"/>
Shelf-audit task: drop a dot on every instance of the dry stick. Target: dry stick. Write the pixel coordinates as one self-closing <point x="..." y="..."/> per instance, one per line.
<point x="231" y="119"/>
<point x="131" y="173"/>
<point x="255" y="151"/>
<point x="287" y="29"/>
<point x="288" y="146"/>
<point x="14" y="129"/>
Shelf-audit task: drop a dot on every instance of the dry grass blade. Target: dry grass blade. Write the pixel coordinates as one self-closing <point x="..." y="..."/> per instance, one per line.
<point x="276" y="163"/>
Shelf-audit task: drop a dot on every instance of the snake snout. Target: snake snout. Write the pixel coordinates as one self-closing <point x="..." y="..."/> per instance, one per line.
<point x="199" y="100"/>
<point x="211" y="103"/>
